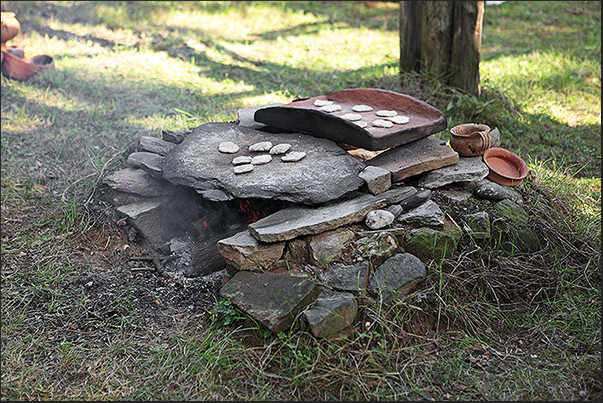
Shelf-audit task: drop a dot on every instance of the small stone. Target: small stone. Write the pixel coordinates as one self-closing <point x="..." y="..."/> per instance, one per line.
<point x="293" y="156"/>
<point x="241" y="169"/>
<point x="383" y="123"/>
<point x="378" y="219"/>
<point x="280" y="149"/>
<point x="362" y="108"/>
<point x="261" y="159"/>
<point x="330" y="108"/>
<point x="228" y="147"/>
<point x="243" y="159"/>
<point x="386" y="113"/>
<point x="323" y="102"/>
<point x="351" y="116"/>
<point x="262" y="146"/>
<point x="399" y="120"/>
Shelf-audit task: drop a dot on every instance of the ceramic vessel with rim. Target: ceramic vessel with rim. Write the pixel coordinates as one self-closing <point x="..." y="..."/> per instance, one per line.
<point x="470" y="139"/>
<point x="506" y="168"/>
<point x="10" y="27"/>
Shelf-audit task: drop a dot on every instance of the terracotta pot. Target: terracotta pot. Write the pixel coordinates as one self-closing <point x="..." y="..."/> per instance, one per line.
<point x="10" y="27"/>
<point x="470" y="139"/>
<point x="506" y="168"/>
<point x="22" y="69"/>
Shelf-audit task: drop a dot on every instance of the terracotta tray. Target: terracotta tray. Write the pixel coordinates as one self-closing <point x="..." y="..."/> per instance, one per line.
<point x="304" y="117"/>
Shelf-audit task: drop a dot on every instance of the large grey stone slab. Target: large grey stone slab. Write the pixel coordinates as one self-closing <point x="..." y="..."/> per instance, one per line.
<point x="326" y="173"/>
<point x="467" y="169"/>
<point x="415" y="158"/>
<point x="292" y="222"/>
<point x="272" y="299"/>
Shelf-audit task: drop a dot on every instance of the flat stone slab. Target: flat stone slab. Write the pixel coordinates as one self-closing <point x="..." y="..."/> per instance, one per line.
<point x="326" y="173"/>
<point x="272" y="299"/>
<point x="415" y="158"/>
<point x="331" y="312"/>
<point x="292" y="222"/>
<point x="244" y="252"/>
<point x="467" y="169"/>
<point x="393" y="278"/>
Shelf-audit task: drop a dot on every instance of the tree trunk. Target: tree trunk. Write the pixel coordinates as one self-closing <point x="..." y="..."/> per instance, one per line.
<point x="444" y="38"/>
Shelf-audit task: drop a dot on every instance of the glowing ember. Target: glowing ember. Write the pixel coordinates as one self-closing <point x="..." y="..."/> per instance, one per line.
<point x="245" y="207"/>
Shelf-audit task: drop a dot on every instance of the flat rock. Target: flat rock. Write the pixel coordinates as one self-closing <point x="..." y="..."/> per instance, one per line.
<point x="292" y="222"/>
<point x="246" y="116"/>
<point x="155" y="145"/>
<point x="325" y="247"/>
<point x="427" y="214"/>
<point x="377" y="179"/>
<point x="331" y="313"/>
<point x="467" y="169"/>
<point x="137" y="181"/>
<point x="244" y="252"/>
<point x="416" y="157"/>
<point x="392" y="279"/>
<point x="272" y="299"/>
<point x="325" y="174"/>
<point x="398" y="194"/>
<point x="350" y="278"/>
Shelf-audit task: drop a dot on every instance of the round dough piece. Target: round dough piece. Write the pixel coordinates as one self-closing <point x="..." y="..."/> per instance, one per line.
<point x="228" y="147"/>
<point x="362" y="108"/>
<point x="385" y="113"/>
<point x="322" y="102"/>
<point x="351" y="116"/>
<point x="241" y="169"/>
<point x="399" y="120"/>
<point x="330" y="108"/>
<point x="383" y="123"/>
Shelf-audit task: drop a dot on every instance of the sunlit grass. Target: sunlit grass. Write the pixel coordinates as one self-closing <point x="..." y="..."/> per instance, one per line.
<point x="566" y="89"/>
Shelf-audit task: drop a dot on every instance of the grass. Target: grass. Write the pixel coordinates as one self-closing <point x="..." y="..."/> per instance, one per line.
<point x="77" y="325"/>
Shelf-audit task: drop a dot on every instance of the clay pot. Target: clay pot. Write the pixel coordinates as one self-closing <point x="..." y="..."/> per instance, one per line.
<point x="10" y="27"/>
<point x="470" y="139"/>
<point x="22" y="69"/>
<point x="506" y="168"/>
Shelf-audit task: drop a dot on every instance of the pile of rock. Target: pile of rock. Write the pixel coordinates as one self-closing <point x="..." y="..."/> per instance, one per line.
<point x="348" y="228"/>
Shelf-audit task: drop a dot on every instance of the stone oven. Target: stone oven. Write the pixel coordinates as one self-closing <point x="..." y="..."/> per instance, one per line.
<point x="275" y="198"/>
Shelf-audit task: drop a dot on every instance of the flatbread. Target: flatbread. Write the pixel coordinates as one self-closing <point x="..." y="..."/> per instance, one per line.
<point x="322" y="102"/>
<point x="362" y="108"/>
<point x="351" y="116"/>
<point x="330" y="108"/>
<point x="399" y="120"/>
<point x="383" y="123"/>
<point x="361" y="123"/>
<point x="385" y="113"/>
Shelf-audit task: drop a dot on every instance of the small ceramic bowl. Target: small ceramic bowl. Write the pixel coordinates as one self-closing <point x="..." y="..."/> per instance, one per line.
<point x="506" y="168"/>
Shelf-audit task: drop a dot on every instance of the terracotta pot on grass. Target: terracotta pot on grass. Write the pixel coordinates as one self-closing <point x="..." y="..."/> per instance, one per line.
<point x="22" y="69"/>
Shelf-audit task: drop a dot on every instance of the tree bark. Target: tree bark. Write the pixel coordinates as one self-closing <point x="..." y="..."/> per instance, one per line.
<point x="410" y="35"/>
<point x="443" y="38"/>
